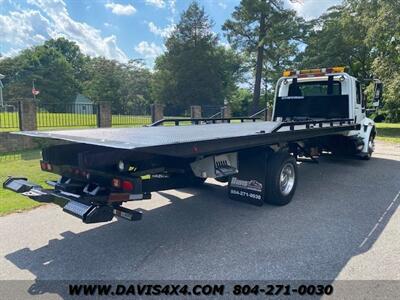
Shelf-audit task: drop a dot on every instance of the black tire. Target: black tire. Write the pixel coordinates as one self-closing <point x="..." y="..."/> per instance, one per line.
<point x="274" y="194"/>
<point x="371" y="146"/>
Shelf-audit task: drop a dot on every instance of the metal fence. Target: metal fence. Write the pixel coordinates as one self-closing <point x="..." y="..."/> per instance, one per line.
<point x="173" y="111"/>
<point x="9" y="117"/>
<point x="132" y="117"/>
<point x="58" y="115"/>
<point x="211" y="111"/>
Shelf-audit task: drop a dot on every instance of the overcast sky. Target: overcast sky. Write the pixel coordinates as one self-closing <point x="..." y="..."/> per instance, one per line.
<point x="117" y="29"/>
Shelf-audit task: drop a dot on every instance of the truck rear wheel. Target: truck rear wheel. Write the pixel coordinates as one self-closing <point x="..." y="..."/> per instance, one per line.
<point x="281" y="179"/>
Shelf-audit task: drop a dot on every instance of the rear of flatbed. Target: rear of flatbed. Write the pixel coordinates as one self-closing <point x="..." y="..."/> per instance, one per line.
<point x="315" y="111"/>
<point x="103" y="168"/>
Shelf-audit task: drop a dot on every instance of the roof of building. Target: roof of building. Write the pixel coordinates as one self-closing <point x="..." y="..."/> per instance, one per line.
<point x="82" y="99"/>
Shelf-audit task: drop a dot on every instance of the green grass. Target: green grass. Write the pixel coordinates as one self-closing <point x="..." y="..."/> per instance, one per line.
<point x="24" y="164"/>
<point x="389" y="132"/>
<point x="120" y="120"/>
<point x="9" y="121"/>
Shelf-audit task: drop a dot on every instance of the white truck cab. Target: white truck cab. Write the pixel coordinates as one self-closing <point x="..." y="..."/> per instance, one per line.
<point x="327" y="93"/>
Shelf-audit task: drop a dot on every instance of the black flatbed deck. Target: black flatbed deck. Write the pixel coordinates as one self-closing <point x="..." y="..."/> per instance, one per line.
<point x="194" y="140"/>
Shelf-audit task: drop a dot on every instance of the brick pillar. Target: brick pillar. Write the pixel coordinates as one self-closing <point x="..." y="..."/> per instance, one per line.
<point x="226" y="112"/>
<point x="27" y="115"/>
<point x="195" y="112"/>
<point x="104" y="117"/>
<point x="157" y="112"/>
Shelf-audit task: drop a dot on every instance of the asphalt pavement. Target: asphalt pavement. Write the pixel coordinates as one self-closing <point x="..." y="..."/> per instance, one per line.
<point x="343" y="224"/>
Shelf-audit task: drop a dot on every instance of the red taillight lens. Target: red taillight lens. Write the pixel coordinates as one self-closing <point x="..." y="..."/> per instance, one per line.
<point x="46" y="166"/>
<point x="116" y="183"/>
<point x="127" y="185"/>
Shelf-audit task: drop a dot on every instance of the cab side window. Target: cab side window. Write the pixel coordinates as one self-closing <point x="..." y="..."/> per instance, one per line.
<point x="358" y="92"/>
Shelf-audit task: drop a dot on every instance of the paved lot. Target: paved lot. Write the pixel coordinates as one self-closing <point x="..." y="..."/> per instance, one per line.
<point x="344" y="223"/>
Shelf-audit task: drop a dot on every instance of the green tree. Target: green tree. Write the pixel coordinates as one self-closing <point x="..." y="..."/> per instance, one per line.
<point x="125" y="86"/>
<point x="268" y="34"/>
<point x="52" y="73"/>
<point x="194" y="69"/>
<point x="338" y="40"/>
<point x="365" y="37"/>
<point x="70" y="50"/>
<point x="240" y="102"/>
<point x="383" y="38"/>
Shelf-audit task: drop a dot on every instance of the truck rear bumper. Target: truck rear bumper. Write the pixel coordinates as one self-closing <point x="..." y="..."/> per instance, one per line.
<point x="87" y="209"/>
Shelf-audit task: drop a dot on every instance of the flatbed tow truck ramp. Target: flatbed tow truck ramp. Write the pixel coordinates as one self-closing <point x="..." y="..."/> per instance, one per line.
<point x="100" y="169"/>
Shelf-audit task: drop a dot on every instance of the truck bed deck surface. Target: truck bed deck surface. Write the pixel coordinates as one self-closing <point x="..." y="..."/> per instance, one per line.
<point x="142" y="137"/>
<point x="186" y="141"/>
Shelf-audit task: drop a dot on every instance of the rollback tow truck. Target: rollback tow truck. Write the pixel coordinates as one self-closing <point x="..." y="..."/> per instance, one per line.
<point x="314" y="111"/>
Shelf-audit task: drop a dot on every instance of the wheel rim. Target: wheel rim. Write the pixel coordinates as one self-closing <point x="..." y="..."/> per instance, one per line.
<point x="286" y="179"/>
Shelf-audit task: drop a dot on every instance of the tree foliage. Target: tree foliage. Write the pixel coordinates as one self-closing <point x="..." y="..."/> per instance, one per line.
<point x="194" y="70"/>
<point x="126" y="86"/>
<point x="269" y="34"/>
<point x="60" y="71"/>
<point x="50" y="70"/>
<point x="266" y="38"/>
<point x="363" y="35"/>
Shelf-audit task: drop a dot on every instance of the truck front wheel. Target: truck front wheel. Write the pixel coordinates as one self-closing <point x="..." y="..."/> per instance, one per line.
<point x="281" y="179"/>
<point x="371" y="146"/>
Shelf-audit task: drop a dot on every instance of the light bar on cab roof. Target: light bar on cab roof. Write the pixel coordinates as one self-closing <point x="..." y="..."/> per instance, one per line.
<point x="313" y="72"/>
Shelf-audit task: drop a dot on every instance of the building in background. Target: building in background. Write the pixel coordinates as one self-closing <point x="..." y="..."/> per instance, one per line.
<point x="82" y="105"/>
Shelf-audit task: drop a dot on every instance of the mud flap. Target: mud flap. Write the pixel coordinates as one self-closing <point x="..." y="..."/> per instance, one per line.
<point x="249" y="184"/>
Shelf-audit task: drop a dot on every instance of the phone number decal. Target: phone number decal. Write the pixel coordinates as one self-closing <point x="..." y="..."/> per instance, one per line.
<point x="283" y="290"/>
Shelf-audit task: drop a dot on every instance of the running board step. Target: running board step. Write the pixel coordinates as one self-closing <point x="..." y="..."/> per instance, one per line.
<point x="100" y="213"/>
<point x="89" y="213"/>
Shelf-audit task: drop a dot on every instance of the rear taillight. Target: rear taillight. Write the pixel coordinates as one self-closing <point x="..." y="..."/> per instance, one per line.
<point x="46" y="166"/>
<point x="116" y="183"/>
<point x="127" y="186"/>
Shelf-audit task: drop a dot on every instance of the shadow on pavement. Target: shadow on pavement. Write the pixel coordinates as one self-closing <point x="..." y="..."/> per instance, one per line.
<point x="340" y="209"/>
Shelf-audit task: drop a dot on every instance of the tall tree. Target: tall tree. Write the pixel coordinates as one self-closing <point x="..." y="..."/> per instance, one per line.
<point x="383" y="38"/>
<point x="338" y="39"/>
<point x="51" y="71"/>
<point x="73" y="55"/>
<point x="261" y="28"/>
<point x="194" y="69"/>
<point x="364" y="36"/>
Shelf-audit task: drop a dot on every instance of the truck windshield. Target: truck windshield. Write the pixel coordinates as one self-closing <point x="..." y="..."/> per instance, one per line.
<point x="315" y="88"/>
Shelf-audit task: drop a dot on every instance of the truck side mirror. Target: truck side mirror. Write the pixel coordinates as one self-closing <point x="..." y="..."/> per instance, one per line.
<point x="378" y="89"/>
